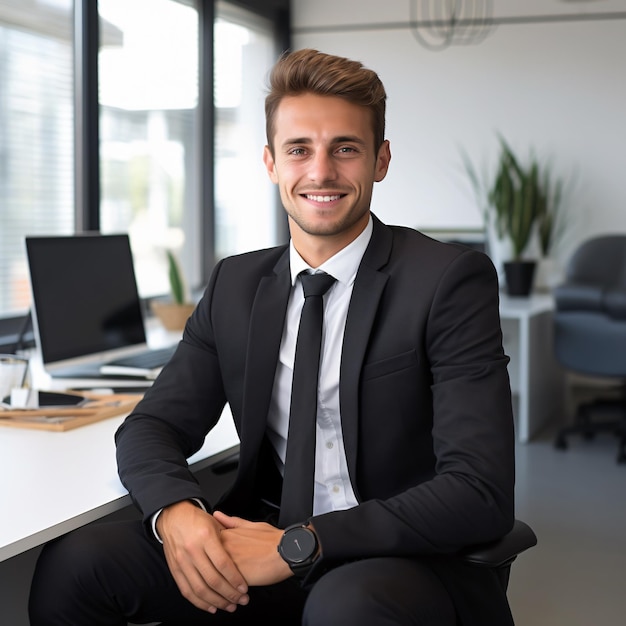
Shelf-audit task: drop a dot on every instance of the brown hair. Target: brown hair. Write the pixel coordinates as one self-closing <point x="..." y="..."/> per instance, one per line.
<point x="310" y="71"/>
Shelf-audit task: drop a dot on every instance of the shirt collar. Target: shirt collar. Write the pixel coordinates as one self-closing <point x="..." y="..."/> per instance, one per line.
<point x="343" y="265"/>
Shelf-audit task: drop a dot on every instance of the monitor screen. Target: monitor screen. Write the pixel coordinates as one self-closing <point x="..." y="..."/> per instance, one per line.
<point x="85" y="298"/>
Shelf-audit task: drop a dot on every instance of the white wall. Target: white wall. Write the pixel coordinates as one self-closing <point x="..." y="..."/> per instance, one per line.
<point x="557" y="88"/>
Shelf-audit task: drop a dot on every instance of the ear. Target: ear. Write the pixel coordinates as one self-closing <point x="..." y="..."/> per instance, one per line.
<point x="270" y="165"/>
<point x="382" y="161"/>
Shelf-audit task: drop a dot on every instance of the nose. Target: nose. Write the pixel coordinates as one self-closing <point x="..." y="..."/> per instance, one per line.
<point x="322" y="168"/>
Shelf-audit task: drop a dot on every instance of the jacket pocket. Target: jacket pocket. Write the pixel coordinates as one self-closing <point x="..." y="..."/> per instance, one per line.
<point x="390" y="365"/>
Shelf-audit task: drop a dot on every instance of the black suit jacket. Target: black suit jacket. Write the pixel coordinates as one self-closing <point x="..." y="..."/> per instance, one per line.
<point x="424" y="396"/>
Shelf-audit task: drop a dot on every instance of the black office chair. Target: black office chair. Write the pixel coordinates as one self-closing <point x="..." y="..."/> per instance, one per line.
<point x="590" y="333"/>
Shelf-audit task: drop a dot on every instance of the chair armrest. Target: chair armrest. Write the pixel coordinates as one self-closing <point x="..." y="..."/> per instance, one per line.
<point x="578" y="297"/>
<point x="504" y="550"/>
<point x="615" y="303"/>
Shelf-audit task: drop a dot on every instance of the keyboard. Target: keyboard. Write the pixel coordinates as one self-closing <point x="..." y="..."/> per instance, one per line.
<point x="148" y="360"/>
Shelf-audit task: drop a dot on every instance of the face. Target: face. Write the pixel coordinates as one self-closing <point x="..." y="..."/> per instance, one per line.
<point x="325" y="166"/>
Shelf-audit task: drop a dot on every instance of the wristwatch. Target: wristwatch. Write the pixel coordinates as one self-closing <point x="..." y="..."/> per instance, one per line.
<point x="299" y="548"/>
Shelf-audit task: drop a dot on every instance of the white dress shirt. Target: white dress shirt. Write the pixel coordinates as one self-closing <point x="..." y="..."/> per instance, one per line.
<point x="333" y="489"/>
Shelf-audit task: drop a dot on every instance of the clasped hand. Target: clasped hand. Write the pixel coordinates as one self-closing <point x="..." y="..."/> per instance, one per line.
<point x="215" y="558"/>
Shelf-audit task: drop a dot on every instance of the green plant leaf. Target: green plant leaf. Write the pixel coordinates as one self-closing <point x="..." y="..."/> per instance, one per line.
<point x="521" y="201"/>
<point x="177" y="286"/>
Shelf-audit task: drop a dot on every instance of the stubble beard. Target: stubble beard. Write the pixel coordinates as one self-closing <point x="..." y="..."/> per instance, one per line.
<point x="327" y="228"/>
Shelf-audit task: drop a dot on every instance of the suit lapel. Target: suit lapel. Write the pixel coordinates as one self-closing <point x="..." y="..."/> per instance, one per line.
<point x="266" y="327"/>
<point x="366" y="294"/>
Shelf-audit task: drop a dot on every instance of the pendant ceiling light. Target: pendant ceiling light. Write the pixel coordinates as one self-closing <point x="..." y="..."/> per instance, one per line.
<point x="437" y="24"/>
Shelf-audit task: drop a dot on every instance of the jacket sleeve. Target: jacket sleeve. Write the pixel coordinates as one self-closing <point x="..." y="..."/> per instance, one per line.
<point x="171" y="421"/>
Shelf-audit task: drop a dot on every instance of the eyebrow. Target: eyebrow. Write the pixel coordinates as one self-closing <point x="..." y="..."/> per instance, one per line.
<point x="335" y="140"/>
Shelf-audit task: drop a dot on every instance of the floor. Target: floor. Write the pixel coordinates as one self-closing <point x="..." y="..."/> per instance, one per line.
<point x="575" y="500"/>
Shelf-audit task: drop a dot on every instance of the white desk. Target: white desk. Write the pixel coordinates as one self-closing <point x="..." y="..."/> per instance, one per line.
<point x="53" y="482"/>
<point x="537" y="381"/>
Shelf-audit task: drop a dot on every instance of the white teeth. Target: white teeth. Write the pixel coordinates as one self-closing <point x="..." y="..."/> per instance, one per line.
<point x="322" y="198"/>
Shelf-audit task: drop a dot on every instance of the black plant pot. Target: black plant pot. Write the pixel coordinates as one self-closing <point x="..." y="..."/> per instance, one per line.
<point x="519" y="277"/>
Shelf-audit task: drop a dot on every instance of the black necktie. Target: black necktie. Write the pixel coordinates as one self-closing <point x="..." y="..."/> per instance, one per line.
<point x="297" y="496"/>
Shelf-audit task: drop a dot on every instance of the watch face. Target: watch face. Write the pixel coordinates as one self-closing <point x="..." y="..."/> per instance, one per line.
<point x="298" y="544"/>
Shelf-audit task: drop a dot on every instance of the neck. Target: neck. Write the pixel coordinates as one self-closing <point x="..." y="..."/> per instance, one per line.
<point x="316" y="249"/>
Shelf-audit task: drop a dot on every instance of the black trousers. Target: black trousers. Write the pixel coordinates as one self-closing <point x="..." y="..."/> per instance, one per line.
<point x="109" y="574"/>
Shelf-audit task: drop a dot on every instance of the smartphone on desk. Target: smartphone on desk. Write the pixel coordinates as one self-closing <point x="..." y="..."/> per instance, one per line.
<point x="60" y="399"/>
<point x="35" y="399"/>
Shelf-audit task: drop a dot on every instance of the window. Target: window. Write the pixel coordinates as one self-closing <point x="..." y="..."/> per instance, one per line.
<point x="149" y="128"/>
<point x="36" y="135"/>
<point x="245" y="199"/>
<point x="150" y="122"/>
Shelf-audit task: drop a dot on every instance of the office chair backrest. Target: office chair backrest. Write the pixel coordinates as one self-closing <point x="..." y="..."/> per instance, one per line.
<point x="599" y="261"/>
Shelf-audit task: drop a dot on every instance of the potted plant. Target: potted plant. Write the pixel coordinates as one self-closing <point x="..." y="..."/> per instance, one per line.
<point x="173" y="313"/>
<point x="519" y="205"/>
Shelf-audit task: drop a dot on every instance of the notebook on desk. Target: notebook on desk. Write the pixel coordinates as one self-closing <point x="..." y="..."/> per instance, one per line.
<point x="86" y="309"/>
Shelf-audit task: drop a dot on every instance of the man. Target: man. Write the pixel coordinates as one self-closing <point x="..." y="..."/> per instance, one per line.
<point x="414" y="430"/>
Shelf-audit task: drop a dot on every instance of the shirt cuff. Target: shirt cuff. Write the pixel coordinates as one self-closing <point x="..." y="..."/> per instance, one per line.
<point x="155" y="517"/>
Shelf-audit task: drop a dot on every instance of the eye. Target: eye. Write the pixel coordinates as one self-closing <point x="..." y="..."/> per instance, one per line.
<point x="297" y="151"/>
<point x="346" y="150"/>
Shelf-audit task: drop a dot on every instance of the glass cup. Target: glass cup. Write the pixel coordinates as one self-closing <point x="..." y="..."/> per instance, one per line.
<point x="13" y="372"/>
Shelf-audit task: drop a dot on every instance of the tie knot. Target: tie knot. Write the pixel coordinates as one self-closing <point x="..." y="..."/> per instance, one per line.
<point x="316" y="284"/>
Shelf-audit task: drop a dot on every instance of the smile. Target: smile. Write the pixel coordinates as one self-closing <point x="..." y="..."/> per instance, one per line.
<point x="322" y="198"/>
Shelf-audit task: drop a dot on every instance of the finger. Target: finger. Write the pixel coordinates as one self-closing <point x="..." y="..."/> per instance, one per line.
<point x="213" y="563"/>
<point x="204" y="586"/>
<point x="221" y="573"/>
<point x="184" y="578"/>
<point x="228" y="521"/>
<point x="203" y="570"/>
